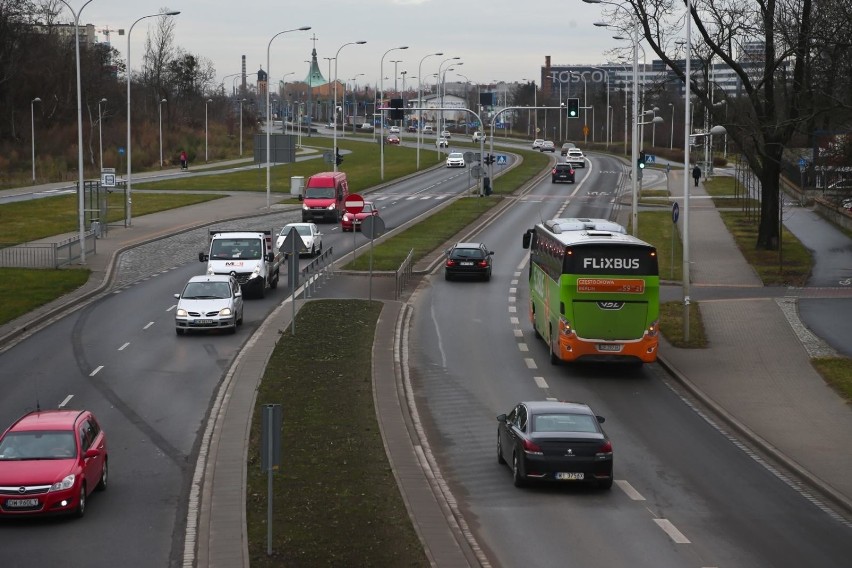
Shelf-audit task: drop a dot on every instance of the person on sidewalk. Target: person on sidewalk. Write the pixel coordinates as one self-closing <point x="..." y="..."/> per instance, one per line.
<point x="696" y="174"/>
<point x="183" y="160"/>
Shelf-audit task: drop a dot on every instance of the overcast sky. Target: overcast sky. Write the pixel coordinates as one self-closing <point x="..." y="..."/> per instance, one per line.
<point x="502" y="40"/>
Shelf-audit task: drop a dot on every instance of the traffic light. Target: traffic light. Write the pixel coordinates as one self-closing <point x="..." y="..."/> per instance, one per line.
<point x="397" y="109"/>
<point x="573" y="108"/>
<point x="489" y="159"/>
<point x="641" y="163"/>
<point x="338" y="159"/>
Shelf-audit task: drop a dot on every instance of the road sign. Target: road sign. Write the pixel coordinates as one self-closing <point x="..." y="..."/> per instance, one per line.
<point x="675" y="212"/>
<point x="121" y="150"/>
<point x="476" y="171"/>
<point x="585" y="130"/>
<point x="328" y="157"/>
<point x="650" y="158"/>
<point x="501" y="159"/>
<point x="108" y="177"/>
<point x="468" y="157"/>
<point x="354" y="204"/>
<point x="373" y="227"/>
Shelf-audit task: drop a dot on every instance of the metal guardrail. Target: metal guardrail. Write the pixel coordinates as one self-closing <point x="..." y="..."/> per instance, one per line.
<point x="404" y="273"/>
<point x="50" y="255"/>
<point x="318" y="271"/>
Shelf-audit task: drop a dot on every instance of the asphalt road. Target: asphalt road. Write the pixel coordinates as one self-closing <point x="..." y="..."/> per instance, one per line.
<point x="686" y="493"/>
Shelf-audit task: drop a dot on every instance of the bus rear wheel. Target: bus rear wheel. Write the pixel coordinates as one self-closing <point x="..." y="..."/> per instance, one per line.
<point x="554" y="358"/>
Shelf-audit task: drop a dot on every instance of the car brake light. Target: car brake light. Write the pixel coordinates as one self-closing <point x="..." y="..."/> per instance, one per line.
<point x="532" y="448"/>
<point x="605" y="451"/>
<point x="554" y="171"/>
<point x="451" y="262"/>
<point x="483" y="263"/>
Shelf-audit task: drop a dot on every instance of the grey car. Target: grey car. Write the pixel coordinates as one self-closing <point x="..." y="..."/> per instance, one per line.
<point x="209" y="302"/>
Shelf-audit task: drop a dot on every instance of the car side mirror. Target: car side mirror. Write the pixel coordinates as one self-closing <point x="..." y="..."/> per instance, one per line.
<point x="177" y="296"/>
<point x="238" y="293"/>
<point x="202" y="257"/>
<point x="601" y="419"/>
<point x="91" y="453"/>
<point x="270" y="257"/>
<point x="501" y="418"/>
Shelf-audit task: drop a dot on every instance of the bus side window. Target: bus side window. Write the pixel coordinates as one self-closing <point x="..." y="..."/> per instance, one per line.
<point x="562" y="308"/>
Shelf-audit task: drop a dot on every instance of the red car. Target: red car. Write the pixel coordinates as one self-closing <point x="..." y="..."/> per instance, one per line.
<point x="393" y="139"/>
<point x="349" y="220"/>
<point x="50" y="462"/>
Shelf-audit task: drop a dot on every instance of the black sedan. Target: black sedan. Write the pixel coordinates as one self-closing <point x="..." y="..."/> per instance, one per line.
<point x="554" y="441"/>
<point x="562" y="172"/>
<point x="468" y="259"/>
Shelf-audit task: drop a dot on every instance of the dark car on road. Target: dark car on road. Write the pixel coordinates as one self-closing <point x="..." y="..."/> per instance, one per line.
<point x="468" y="260"/>
<point x="565" y="147"/>
<point x="554" y="441"/>
<point x="50" y="462"/>
<point x="562" y="172"/>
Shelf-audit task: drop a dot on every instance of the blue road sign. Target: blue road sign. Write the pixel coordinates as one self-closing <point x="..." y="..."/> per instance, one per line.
<point x="650" y="159"/>
<point x="501" y="159"/>
<point x="121" y="150"/>
<point x="803" y="163"/>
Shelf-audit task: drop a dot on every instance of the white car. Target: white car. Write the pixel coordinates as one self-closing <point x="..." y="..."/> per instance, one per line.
<point x="428" y="129"/>
<point x="446" y="134"/>
<point x="537" y="143"/>
<point x="442" y="143"/>
<point x="455" y="160"/>
<point x="366" y="126"/>
<point x="576" y="158"/>
<point x="393" y="130"/>
<point x="209" y="302"/>
<point x="477" y="136"/>
<point x="311" y="238"/>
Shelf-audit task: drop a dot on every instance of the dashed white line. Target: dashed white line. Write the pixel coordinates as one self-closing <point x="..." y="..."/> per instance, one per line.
<point x="523" y="347"/>
<point x="149" y="324"/>
<point x="170" y="308"/>
<point x="542" y="384"/>
<point x="672" y="531"/>
<point x="629" y="490"/>
<point x="514" y="321"/>
<point x="95" y="372"/>
<point x="66" y="401"/>
<point x="122" y="348"/>
<point x="513" y="309"/>
<point x="512" y="299"/>
<point x="518" y="332"/>
<point x="530" y="363"/>
<point x="513" y="290"/>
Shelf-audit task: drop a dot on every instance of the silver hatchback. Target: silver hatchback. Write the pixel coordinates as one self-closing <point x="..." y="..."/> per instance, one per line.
<point x="209" y="302"/>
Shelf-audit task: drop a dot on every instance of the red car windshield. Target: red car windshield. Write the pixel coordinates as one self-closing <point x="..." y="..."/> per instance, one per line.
<point x="38" y="446"/>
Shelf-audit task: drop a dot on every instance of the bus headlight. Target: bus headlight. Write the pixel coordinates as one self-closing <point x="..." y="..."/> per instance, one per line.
<point x="565" y="327"/>
<point x="654" y="328"/>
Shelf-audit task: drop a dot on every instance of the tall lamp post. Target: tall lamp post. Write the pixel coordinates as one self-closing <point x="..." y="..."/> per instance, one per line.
<point x="381" y="100"/>
<point x="438" y="84"/>
<point x="420" y="103"/>
<point x="268" y="121"/>
<point x="354" y="105"/>
<point x="32" y="130"/>
<point x="634" y="150"/>
<point x="80" y="200"/>
<point x="129" y="153"/>
<point x="606" y="74"/>
<point x="334" y="108"/>
<point x="100" y="134"/>
<point x="671" y="140"/>
<point x="206" y="156"/>
<point x="241" y="126"/>
<point x="160" y="109"/>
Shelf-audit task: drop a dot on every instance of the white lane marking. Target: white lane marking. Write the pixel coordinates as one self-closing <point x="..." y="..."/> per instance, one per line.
<point x="518" y="332"/>
<point x="542" y="384"/>
<point x="530" y="363"/>
<point x="66" y="401"/>
<point x="670" y="530"/>
<point x="514" y="282"/>
<point x="171" y="308"/>
<point x="95" y="372"/>
<point x="551" y="399"/>
<point x="513" y="290"/>
<point x="512" y="299"/>
<point x="149" y="324"/>
<point x="514" y="321"/>
<point x="523" y="347"/>
<point x="513" y="309"/>
<point x="124" y="346"/>
<point x="629" y="490"/>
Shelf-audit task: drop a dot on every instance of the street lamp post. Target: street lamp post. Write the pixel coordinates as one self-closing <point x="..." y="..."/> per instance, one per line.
<point x="354" y="105"/>
<point x="606" y="74"/>
<point x="100" y="134"/>
<point x="634" y="152"/>
<point x="32" y="131"/>
<point x="440" y="113"/>
<point x="334" y="108"/>
<point x="160" y="109"/>
<point x="671" y="140"/>
<point x="381" y="100"/>
<point x="268" y="121"/>
<point x="129" y="153"/>
<point x="241" y="126"/>
<point x="420" y="104"/>
<point x="444" y="92"/>
<point x="206" y="155"/>
<point x="395" y="62"/>
<point x="80" y="172"/>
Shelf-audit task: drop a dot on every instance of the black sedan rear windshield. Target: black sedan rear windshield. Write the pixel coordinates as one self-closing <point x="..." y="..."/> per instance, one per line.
<point x="460" y="253"/>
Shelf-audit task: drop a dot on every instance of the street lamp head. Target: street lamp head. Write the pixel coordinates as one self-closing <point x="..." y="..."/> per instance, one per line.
<point x="172" y="13"/>
<point x="37" y="100"/>
<point x="103" y="100"/>
<point x="593" y="1"/>
<point x="601" y="24"/>
<point x="304" y="28"/>
<point x="619" y="37"/>
<point x="164" y="101"/>
<point x="718" y="129"/>
<point x="208" y="100"/>
<point x="362" y="42"/>
<point x="657" y="120"/>
<point x="403" y="47"/>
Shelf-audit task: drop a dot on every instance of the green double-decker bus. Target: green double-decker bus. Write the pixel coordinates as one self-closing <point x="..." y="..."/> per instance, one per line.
<point x="594" y="291"/>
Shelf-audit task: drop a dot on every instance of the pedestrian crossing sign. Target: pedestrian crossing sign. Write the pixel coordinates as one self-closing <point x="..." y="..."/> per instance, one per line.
<point x="501" y="159"/>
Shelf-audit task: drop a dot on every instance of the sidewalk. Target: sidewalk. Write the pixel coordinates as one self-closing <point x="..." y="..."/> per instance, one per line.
<point x="756" y="372"/>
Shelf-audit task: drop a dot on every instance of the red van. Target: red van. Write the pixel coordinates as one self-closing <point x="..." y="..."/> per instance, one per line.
<point x="325" y="194"/>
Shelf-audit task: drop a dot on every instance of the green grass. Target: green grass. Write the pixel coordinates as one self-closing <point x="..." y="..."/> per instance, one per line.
<point x="671" y="325"/>
<point x="336" y="501"/>
<point x="837" y="373"/>
<point x="24" y="221"/>
<point x="32" y="288"/>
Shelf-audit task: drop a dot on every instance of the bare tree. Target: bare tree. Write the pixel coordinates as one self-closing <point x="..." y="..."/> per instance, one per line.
<point x="770" y="46"/>
<point x="160" y="51"/>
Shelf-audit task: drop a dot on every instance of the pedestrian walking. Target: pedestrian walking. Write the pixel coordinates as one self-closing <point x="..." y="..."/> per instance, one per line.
<point x="183" y="160"/>
<point x="696" y="174"/>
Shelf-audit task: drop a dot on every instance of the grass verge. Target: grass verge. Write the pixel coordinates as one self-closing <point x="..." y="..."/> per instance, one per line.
<point x="837" y="373"/>
<point x="32" y="288"/>
<point x="336" y="501"/>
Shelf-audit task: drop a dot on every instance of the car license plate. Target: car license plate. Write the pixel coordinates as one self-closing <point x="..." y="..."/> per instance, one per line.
<point x="204" y="321"/>
<point x="21" y="503"/>
<point x="569" y="476"/>
<point x="466" y="263"/>
<point x="609" y="347"/>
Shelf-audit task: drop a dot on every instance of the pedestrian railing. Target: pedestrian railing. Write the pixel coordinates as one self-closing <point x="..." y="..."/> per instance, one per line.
<point x="316" y="272"/>
<point x="46" y="255"/>
<point x="404" y="273"/>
